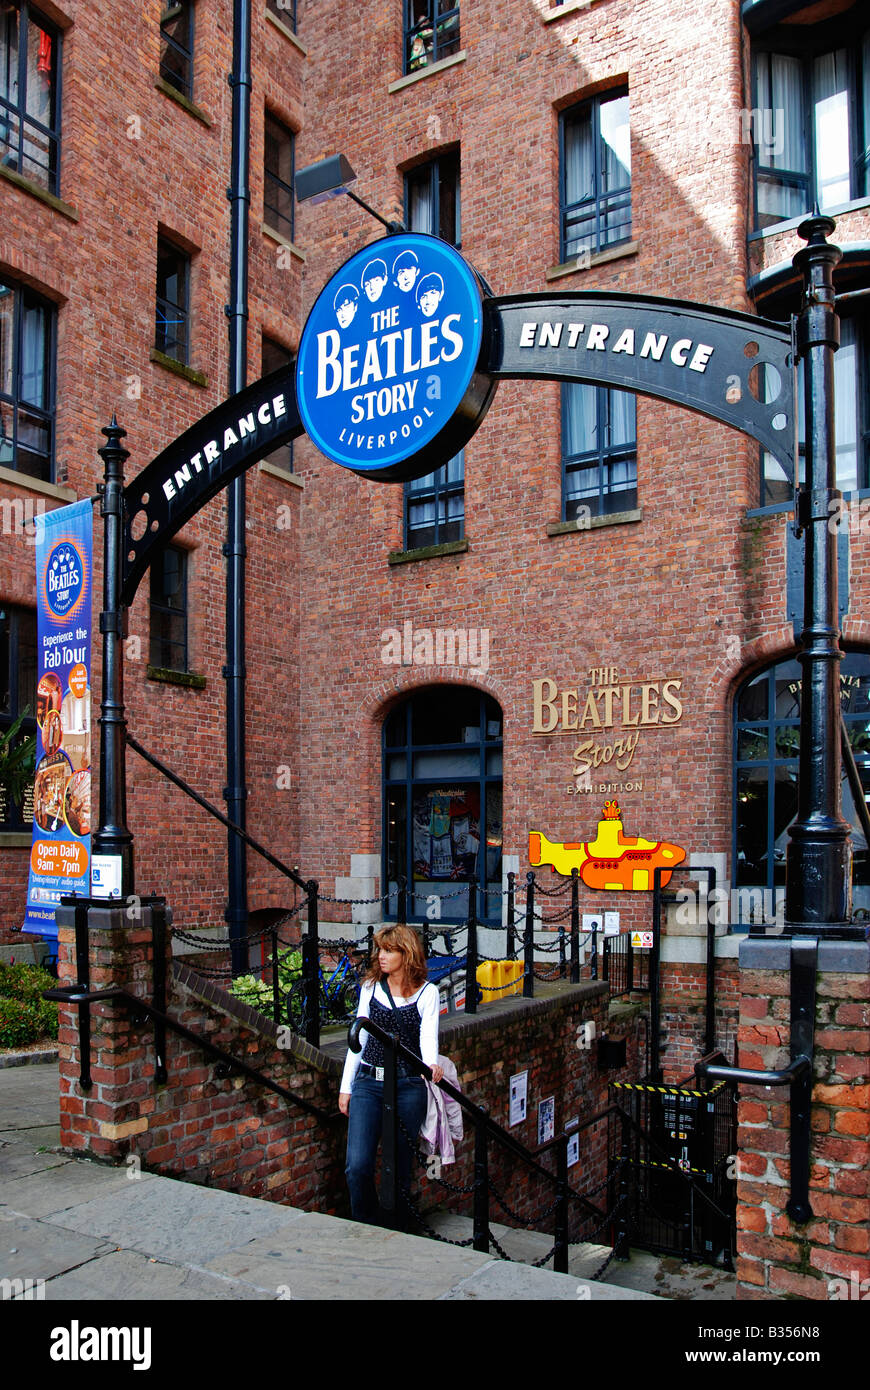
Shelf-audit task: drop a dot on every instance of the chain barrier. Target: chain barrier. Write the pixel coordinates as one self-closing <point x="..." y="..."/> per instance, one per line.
<point x="552" y="892"/>
<point x="429" y="1230"/>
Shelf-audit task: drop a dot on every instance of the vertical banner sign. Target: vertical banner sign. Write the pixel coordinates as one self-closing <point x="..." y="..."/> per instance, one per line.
<point x="61" y="850"/>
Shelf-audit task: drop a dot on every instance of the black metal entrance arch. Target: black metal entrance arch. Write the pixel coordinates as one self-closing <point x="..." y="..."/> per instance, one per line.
<point x="726" y="365"/>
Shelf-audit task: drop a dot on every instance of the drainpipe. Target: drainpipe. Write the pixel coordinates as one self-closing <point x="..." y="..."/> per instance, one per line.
<point x="234" y="672"/>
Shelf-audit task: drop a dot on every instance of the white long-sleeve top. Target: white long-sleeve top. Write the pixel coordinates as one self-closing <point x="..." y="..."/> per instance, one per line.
<point x="428" y="1005"/>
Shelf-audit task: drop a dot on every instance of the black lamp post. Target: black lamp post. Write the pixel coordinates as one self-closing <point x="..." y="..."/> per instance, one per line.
<point x="819" y="855"/>
<point x="112" y="838"/>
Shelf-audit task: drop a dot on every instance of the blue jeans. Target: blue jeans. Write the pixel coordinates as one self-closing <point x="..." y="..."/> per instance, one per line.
<point x="365" y="1122"/>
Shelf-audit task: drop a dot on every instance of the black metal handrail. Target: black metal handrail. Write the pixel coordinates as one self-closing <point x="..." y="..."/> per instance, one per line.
<point x="75" y="994"/>
<point x="213" y="811"/>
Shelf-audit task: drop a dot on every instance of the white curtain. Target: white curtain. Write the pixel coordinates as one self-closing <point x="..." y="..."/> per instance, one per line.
<point x="846" y="406"/>
<point x="623" y="427"/>
<point x="33" y="342"/>
<point x="780" y="135"/>
<point x="581" y="427"/>
<point x="831" y="116"/>
<point x="420" y="206"/>
<point x="615" y="145"/>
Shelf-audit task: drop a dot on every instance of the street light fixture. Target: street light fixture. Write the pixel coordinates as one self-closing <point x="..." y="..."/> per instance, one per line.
<point x="329" y="178"/>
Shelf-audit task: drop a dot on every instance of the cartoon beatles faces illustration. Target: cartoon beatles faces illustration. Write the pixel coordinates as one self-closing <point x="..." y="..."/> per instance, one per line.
<point x="406" y="268"/>
<point x="374" y="279"/>
<point x="344" y="304"/>
<point x="430" y="292"/>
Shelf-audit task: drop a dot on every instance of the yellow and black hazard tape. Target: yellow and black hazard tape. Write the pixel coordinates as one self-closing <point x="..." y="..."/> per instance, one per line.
<point x="675" y="1167"/>
<point x="667" y="1090"/>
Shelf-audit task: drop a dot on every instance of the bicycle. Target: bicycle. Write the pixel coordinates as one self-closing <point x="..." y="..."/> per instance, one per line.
<point x="337" y="996"/>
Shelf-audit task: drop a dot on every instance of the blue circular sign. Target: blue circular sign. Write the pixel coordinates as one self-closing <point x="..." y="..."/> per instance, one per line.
<point x="388" y="372"/>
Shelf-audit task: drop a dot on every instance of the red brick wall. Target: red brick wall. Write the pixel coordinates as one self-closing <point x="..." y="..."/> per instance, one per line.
<point x="777" y="1258"/>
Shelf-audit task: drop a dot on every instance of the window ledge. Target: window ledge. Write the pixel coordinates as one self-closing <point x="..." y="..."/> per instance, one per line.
<point x="171" y="365"/>
<point x="275" y="472"/>
<point x="580" y="263"/>
<point x="571" y="7"/>
<point x="37" y="191"/>
<point x="16" y="839"/>
<point x="592" y="523"/>
<point x="187" y="678"/>
<point x="789" y="226"/>
<point x="428" y="71"/>
<point x="190" y="107"/>
<point x="426" y="552"/>
<point x="283" y="241"/>
<point x="24" y="480"/>
<point x="287" y="32"/>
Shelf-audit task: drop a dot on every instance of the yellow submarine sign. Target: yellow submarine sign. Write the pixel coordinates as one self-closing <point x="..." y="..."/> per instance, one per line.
<point x="613" y="861"/>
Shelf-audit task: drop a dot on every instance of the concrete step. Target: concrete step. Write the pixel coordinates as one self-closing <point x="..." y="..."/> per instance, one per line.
<point x="642" y="1276"/>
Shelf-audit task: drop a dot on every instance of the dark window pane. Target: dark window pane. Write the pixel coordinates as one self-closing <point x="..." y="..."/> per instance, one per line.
<point x="767" y="754"/>
<point x="435" y="506"/>
<point x="278" y="181"/>
<point x="172" y="307"/>
<point x="176" y="47"/>
<point x="273" y="356"/>
<point x="431" y="32"/>
<point x="432" y="199"/>
<point x="29" y="128"/>
<point x="26" y="382"/>
<point x="596" y="176"/>
<point x="285" y="10"/>
<point x="169" y="610"/>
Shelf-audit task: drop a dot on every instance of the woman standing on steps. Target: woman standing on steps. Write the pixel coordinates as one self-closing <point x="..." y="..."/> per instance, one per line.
<point x="398" y="997"/>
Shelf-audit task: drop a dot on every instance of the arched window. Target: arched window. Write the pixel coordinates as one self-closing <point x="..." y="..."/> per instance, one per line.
<point x="442" y="768"/>
<point x="766" y="748"/>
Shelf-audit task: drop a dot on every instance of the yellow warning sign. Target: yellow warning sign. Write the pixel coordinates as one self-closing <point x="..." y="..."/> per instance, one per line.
<point x="641" y="940"/>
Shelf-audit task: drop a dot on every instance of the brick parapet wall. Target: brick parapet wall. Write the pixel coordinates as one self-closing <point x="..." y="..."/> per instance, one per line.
<point x="776" y="1257"/>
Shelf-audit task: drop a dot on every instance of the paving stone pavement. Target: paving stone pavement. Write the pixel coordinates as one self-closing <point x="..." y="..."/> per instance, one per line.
<point x="94" y="1232"/>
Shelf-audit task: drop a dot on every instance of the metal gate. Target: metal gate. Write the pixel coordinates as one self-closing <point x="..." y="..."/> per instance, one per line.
<point x="681" y="1173"/>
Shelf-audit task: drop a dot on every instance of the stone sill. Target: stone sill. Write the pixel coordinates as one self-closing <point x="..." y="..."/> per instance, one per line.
<point x="592" y="523"/>
<point x="185" y="678"/>
<point x="184" y="102"/>
<point x="581" y="263"/>
<point x="559" y="11"/>
<point x="275" y="472"/>
<point x="288" y="33"/>
<point x="24" y="480"/>
<point x="774" y="953"/>
<point x="16" y="839"/>
<point x="428" y="71"/>
<point x="178" y="368"/>
<point x="283" y="241"/>
<point x="426" y="552"/>
<point x="37" y="191"/>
